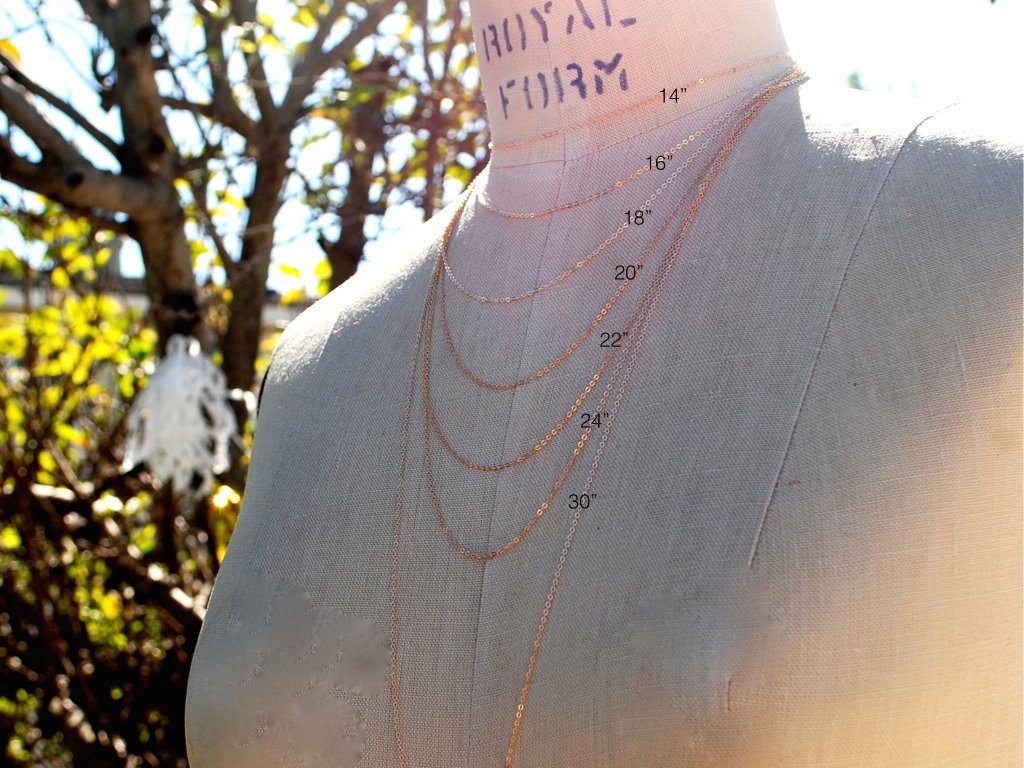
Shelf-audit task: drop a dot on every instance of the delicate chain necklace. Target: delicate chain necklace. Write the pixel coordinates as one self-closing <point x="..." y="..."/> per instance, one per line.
<point x="437" y="287"/>
<point x="612" y="116"/>
<point x="616" y="353"/>
<point x="431" y="422"/>
<point x="481" y="196"/>
<point x="720" y="122"/>
<point x="634" y="344"/>
<point x="436" y="294"/>
<point x="572" y="347"/>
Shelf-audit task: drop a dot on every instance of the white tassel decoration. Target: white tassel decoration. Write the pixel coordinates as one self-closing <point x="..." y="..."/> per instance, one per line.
<point x="181" y="422"/>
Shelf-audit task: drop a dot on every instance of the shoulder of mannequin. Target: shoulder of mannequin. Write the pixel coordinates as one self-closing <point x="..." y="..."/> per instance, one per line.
<point x="950" y="211"/>
<point x="304" y="338"/>
<point x="961" y="159"/>
<point x="975" y="124"/>
<point x="971" y="132"/>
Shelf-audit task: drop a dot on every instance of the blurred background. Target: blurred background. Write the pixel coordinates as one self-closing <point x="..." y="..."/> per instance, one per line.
<point x="209" y="168"/>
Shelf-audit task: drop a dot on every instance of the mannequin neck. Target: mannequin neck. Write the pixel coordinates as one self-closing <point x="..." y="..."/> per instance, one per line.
<point x="566" y="78"/>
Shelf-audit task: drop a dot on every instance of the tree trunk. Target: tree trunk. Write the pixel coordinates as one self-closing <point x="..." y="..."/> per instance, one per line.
<point x="147" y="154"/>
<point x="345" y="253"/>
<point x="170" y="281"/>
<point x="248" y="281"/>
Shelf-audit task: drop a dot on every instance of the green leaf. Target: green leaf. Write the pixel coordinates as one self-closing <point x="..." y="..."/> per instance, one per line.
<point x="305" y="17"/>
<point x="9" y="262"/>
<point x="9" y="538"/>
<point x="10" y="50"/>
<point x="46" y="461"/>
<point x="322" y="270"/>
<point x="111" y="604"/>
<point x="460" y="173"/>
<point x="271" y="42"/>
<point x="197" y="248"/>
<point x="294" y="297"/>
<point x="80" y="263"/>
<point x="289" y="270"/>
<point x="360" y="94"/>
<point x="126" y="386"/>
<point x="145" y="538"/>
<point x="72" y="435"/>
<point x="234" y="200"/>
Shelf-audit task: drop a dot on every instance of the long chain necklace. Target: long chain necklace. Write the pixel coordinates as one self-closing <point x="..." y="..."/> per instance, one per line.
<point x="437" y="287"/>
<point x="431" y="416"/>
<point x="649" y="303"/>
<point x="601" y="315"/>
<point x="431" y="421"/>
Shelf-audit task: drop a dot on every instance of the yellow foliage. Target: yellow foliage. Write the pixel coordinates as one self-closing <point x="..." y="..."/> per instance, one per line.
<point x="225" y="496"/>
<point x="10" y="50"/>
<point x="9" y="538"/>
<point x="111" y="605"/>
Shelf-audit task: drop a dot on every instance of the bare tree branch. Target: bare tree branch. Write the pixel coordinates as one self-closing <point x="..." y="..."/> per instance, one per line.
<point x="99" y="13"/>
<point x="317" y="61"/>
<point x="77" y="185"/>
<point x="199" y="189"/>
<point x="222" y="104"/>
<point x="26" y="117"/>
<point x="60" y="104"/>
<point x="206" y="109"/>
<point x="245" y="12"/>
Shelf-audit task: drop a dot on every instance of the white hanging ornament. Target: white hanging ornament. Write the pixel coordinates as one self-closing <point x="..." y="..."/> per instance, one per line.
<point x="181" y="423"/>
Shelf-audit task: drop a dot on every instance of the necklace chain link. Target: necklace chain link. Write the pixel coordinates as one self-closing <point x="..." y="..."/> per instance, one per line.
<point x="617" y="115"/>
<point x="644" y="311"/>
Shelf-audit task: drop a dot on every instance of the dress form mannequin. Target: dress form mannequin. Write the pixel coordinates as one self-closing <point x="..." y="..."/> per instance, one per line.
<point x="804" y="544"/>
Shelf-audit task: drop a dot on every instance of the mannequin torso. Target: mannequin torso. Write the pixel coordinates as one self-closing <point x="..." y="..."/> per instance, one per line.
<point x="803" y="547"/>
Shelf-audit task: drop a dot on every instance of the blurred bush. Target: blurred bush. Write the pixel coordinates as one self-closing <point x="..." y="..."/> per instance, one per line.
<point x="205" y="133"/>
<point x="103" y="574"/>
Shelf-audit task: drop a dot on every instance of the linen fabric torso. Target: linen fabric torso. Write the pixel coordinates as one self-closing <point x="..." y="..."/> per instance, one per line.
<point x="804" y="546"/>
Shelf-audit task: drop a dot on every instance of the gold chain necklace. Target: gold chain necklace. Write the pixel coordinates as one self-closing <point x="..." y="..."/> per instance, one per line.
<point x="649" y="303"/>
<point x="525" y="215"/>
<point x="437" y="291"/>
<point x="431" y="422"/>
<point x="612" y="116"/>
<point x="720" y="122"/>
<point x="437" y="286"/>
<point x="431" y="416"/>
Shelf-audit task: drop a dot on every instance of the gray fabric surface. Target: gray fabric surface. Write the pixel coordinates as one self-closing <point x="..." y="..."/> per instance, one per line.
<point x="805" y="549"/>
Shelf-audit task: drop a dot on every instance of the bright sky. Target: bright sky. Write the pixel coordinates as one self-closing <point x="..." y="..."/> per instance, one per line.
<point x="933" y="48"/>
<point x="938" y="49"/>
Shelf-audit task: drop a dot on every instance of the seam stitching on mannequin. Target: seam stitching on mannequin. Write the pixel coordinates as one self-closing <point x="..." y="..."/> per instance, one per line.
<point x="494" y="499"/>
<point x="828" y="323"/>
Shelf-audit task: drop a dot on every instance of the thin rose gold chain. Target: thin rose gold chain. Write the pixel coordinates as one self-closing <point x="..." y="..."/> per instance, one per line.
<point x="587" y="390"/>
<point x="432" y="421"/>
<point x="612" y="116"/>
<point x="650" y="305"/>
<point x="482" y="199"/>
<point x="431" y="416"/>
<point x="601" y="315"/>
<point x="720" y="122"/>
